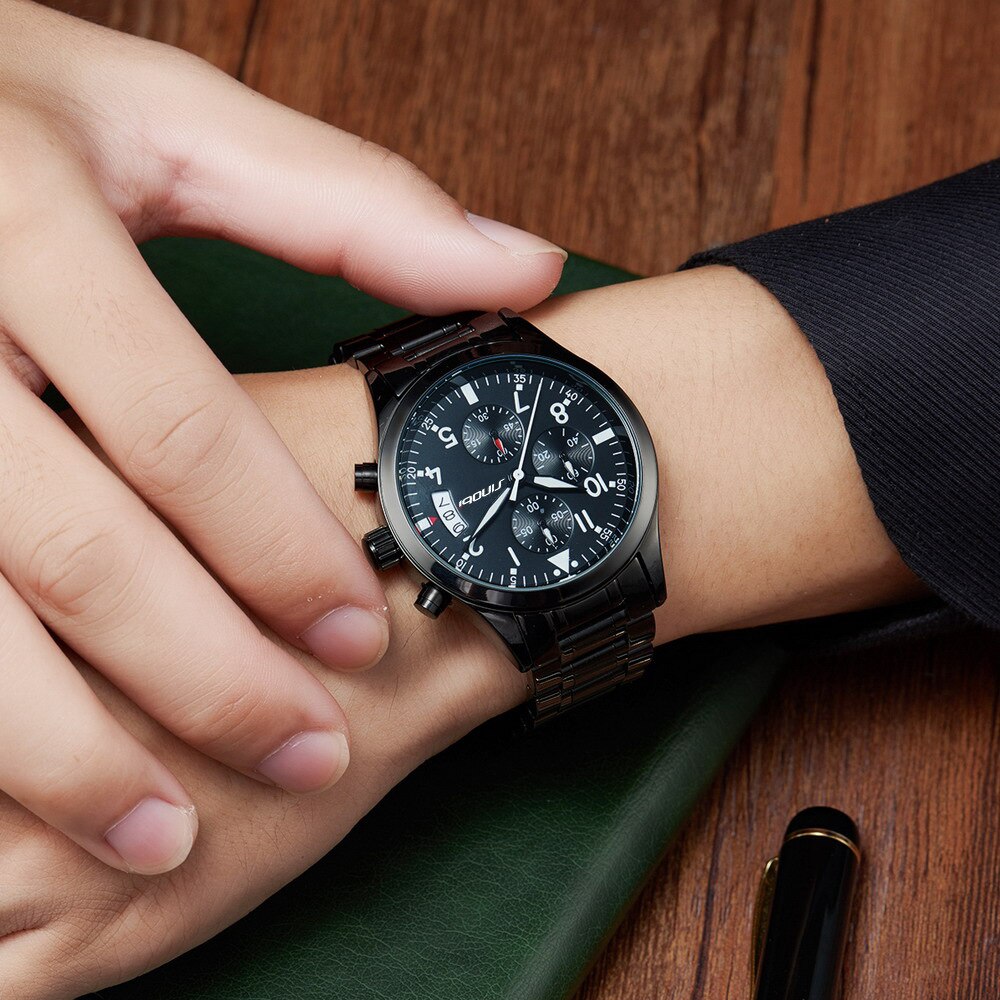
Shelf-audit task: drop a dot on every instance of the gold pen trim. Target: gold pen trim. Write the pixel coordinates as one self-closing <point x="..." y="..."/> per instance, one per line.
<point x="831" y="835"/>
<point x="761" y="917"/>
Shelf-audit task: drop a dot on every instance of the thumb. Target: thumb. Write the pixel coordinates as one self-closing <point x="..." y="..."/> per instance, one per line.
<point x="269" y="177"/>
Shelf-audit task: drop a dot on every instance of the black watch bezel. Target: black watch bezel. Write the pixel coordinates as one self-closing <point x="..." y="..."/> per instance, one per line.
<point x="392" y="422"/>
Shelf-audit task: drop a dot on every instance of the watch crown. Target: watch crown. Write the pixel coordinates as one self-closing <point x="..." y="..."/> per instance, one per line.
<point x="381" y="548"/>
<point x="366" y="477"/>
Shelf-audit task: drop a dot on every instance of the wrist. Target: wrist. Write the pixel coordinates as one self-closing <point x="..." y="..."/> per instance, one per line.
<point x="763" y="515"/>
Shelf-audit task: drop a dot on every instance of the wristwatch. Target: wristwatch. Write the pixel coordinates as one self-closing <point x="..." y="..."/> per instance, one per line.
<point x="519" y="479"/>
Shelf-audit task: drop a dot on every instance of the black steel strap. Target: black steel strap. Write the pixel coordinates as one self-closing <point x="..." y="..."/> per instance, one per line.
<point x="404" y="338"/>
<point x="392" y="356"/>
<point x="577" y="652"/>
<point x="599" y="643"/>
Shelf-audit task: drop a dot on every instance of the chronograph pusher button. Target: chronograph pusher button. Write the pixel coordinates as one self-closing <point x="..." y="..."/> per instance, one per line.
<point x="366" y="477"/>
<point x="432" y="600"/>
<point x="382" y="549"/>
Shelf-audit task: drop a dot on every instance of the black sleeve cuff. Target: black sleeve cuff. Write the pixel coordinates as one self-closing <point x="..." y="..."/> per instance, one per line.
<point x="901" y="300"/>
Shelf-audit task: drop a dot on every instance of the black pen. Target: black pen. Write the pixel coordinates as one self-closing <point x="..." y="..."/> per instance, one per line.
<point x="803" y="908"/>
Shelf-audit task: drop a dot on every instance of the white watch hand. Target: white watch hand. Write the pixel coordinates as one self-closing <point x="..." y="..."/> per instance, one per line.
<point x="519" y="471"/>
<point x="491" y="513"/>
<point x="548" y="483"/>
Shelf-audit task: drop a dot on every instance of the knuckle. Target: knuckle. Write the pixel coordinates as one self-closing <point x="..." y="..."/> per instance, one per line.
<point x="111" y="927"/>
<point x="181" y="436"/>
<point x="224" y="716"/>
<point x="389" y="167"/>
<point x="21" y="915"/>
<point x="21" y="366"/>
<point x="83" y="567"/>
<point x="82" y="936"/>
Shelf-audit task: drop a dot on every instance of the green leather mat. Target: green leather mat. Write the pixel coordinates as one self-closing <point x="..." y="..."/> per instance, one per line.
<point x="499" y="868"/>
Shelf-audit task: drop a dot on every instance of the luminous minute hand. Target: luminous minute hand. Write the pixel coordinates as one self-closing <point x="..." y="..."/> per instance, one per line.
<point x="518" y="474"/>
<point x="491" y="513"/>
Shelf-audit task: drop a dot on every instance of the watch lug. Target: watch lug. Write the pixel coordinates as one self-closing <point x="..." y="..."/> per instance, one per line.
<point x="509" y="628"/>
<point x="650" y="554"/>
<point x="529" y="336"/>
<point x="384" y="389"/>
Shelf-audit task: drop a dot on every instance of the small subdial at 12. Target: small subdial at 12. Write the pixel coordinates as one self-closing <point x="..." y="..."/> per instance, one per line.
<point x="492" y="434"/>
<point x="563" y="453"/>
<point x="541" y="523"/>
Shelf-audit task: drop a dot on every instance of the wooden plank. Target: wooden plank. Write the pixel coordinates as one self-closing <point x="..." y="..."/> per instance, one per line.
<point x="216" y="30"/>
<point x="877" y="98"/>
<point x="882" y="97"/>
<point x="630" y="132"/>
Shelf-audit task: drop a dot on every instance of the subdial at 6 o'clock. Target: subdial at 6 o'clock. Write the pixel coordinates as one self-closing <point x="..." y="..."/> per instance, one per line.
<point x="542" y="523"/>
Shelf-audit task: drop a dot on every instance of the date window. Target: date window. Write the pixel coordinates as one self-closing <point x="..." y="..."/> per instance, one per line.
<point x="444" y="504"/>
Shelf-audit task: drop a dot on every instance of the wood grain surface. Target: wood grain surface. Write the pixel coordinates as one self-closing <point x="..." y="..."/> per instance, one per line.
<point x="638" y="132"/>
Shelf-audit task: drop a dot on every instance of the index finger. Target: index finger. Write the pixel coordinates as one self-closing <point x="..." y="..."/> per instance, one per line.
<point x="81" y="302"/>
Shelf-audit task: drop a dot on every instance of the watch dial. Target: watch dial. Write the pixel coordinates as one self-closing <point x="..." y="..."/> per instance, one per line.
<point x="518" y="472"/>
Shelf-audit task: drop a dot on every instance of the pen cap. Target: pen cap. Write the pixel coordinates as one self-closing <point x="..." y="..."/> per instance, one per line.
<point x="813" y="890"/>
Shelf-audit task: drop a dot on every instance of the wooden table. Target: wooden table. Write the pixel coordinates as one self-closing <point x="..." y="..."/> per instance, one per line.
<point x="638" y="132"/>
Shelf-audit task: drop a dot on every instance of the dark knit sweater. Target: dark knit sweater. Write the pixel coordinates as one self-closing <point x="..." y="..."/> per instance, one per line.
<point x="901" y="300"/>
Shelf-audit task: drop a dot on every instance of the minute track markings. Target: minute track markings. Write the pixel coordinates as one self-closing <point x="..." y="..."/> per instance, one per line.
<point x="565" y="399"/>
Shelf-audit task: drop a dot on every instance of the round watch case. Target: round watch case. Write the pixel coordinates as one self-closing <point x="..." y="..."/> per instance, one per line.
<point x="392" y="422"/>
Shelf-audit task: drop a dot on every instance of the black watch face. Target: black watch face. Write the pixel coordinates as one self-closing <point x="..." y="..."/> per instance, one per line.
<point x="518" y="472"/>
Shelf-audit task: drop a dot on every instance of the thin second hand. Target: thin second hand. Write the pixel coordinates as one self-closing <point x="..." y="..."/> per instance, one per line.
<point x="519" y="471"/>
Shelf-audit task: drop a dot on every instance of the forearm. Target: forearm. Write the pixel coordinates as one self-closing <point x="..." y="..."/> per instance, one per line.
<point x="763" y="513"/>
<point x="901" y="302"/>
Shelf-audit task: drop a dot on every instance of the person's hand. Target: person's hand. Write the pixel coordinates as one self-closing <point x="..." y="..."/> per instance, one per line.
<point x="759" y="489"/>
<point x="105" y="140"/>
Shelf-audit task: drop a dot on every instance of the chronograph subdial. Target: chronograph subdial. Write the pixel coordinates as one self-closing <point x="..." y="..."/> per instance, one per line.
<point x="492" y="434"/>
<point x="564" y="453"/>
<point x="541" y="523"/>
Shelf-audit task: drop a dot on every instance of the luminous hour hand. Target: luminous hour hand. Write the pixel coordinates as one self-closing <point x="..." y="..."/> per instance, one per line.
<point x="492" y="512"/>
<point x="548" y="483"/>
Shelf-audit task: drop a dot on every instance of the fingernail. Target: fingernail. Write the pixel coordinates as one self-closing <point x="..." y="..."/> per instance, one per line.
<point x="155" y="837"/>
<point x="518" y="241"/>
<point x="308" y="762"/>
<point x="348" y="638"/>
